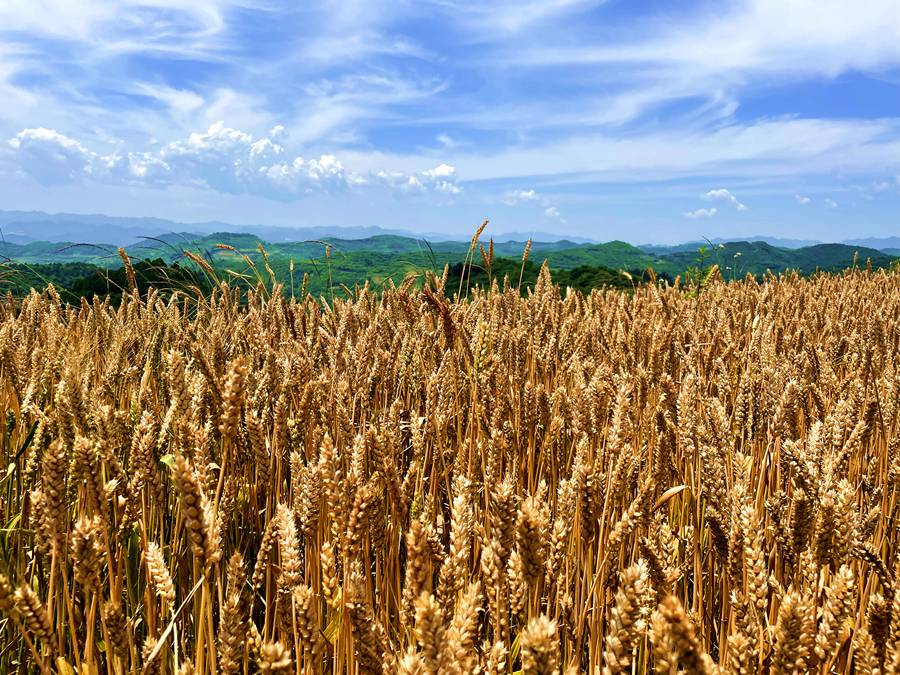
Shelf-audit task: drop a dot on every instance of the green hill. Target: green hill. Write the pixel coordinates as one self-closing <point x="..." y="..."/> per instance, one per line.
<point x="832" y="257"/>
<point x="742" y="257"/>
<point x="384" y="257"/>
<point x="613" y="254"/>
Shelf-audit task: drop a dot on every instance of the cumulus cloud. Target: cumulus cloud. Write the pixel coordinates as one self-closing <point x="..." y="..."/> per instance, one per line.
<point x="221" y="158"/>
<point x="142" y="167"/>
<point x="232" y="161"/>
<point x="441" y="179"/>
<point x="724" y="195"/>
<point x="306" y="175"/>
<point x="50" y="157"/>
<point x="533" y="198"/>
<point x="701" y="213"/>
<point x="802" y="200"/>
<point x="514" y="197"/>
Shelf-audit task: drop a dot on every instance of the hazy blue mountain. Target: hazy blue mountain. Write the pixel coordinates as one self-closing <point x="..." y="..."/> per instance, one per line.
<point x="544" y="237"/>
<point x="780" y="242"/>
<point x="28" y="226"/>
<point x="15" y="237"/>
<point x="22" y="227"/>
<point x="881" y="243"/>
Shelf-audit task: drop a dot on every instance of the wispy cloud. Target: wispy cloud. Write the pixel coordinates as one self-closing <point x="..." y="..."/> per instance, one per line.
<point x="803" y="201"/>
<point x="180" y="101"/>
<point x="720" y="52"/>
<point x="555" y="97"/>
<point x="489" y="21"/>
<point x="553" y="213"/>
<point x="831" y="204"/>
<point x="774" y="147"/>
<point x="446" y="141"/>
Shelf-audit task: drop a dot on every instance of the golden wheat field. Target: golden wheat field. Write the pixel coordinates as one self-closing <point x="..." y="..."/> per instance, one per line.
<point x="417" y="482"/>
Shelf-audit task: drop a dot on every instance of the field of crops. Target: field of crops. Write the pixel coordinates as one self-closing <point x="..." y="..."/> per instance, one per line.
<point x="657" y="480"/>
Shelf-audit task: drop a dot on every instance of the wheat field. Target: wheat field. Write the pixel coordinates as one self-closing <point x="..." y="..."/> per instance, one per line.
<point x="421" y="481"/>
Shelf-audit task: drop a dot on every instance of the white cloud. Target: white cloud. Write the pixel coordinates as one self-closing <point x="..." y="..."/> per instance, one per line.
<point x="724" y="195"/>
<point x="772" y="147"/>
<point x="708" y="55"/>
<point x="484" y="20"/>
<point x="163" y="25"/>
<point x="369" y="108"/>
<point x="441" y="179"/>
<point x="817" y="36"/>
<point x="701" y="213"/>
<point x="181" y="102"/>
<point x="142" y="167"/>
<point x="532" y="198"/>
<point x="338" y="106"/>
<point x="831" y="204"/>
<point x="222" y="158"/>
<point x="514" y="197"/>
<point x="440" y="171"/>
<point x="446" y="141"/>
<point x="299" y="175"/>
<point x="50" y="157"/>
<point x="15" y="95"/>
<point x="802" y="200"/>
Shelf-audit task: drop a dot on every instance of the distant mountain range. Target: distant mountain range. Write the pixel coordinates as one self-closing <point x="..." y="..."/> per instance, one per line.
<point x="22" y="227"/>
<point x="361" y="254"/>
<point x="390" y="250"/>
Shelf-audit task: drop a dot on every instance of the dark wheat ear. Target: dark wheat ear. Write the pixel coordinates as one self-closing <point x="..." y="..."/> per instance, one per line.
<point x="34" y="615"/>
<point x="7" y="600"/>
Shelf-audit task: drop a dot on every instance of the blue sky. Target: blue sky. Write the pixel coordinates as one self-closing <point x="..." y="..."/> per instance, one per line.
<point x="644" y="121"/>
